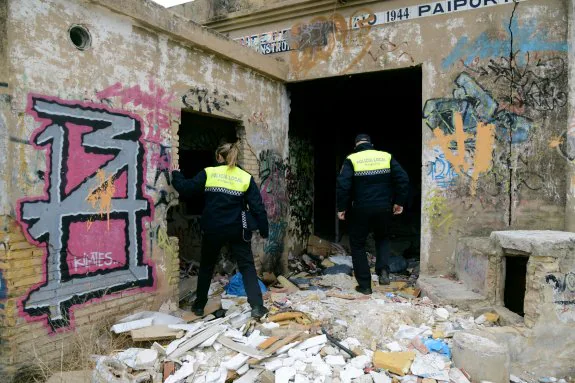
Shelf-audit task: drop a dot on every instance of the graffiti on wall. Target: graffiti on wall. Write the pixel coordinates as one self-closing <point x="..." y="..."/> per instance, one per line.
<point x="564" y="294"/>
<point x="441" y="171"/>
<point x="528" y="36"/>
<point x="90" y="221"/>
<point x="207" y="101"/>
<point x="300" y="177"/>
<point x="272" y="173"/>
<point x="316" y="41"/>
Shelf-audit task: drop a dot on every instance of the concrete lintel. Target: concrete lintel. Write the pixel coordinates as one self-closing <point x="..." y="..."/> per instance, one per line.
<point x="157" y="17"/>
<point x="542" y="243"/>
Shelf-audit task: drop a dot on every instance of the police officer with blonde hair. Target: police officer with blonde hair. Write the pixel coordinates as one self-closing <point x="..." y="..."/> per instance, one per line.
<point x="233" y="209"/>
<point x="371" y="187"/>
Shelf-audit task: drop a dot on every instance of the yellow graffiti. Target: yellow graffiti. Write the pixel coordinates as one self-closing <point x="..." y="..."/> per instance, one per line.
<point x="171" y="252"/>
<point x="101" y="196"/>
<point x="484" y="141"/>
<point x="438" y="212"/>
<point x="555" y="142"/>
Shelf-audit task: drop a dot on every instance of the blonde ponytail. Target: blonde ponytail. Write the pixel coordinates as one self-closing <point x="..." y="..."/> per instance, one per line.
<point x="230" y="154"/>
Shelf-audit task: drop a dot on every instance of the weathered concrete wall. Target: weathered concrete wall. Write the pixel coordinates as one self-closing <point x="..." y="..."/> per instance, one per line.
<point x="570" y="144"/>
<point x="495" y="100"/>
<point x="88" y="139"/>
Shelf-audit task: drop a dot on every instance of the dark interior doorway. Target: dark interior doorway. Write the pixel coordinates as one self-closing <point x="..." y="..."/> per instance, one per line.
<point x="199" y="137"/>
<point x="515" y="283"/>
<point x="331" y="112"/>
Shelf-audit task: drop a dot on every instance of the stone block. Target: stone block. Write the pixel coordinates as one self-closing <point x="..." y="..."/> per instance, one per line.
<point x="481" y="356"/>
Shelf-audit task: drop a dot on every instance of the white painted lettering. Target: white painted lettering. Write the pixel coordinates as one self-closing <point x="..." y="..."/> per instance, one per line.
<point x="475" y="3"/>
<point x="490" y="1"/>
<point x="109" y="260"/>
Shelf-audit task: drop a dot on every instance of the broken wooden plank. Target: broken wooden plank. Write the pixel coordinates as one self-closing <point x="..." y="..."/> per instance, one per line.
<point x="268" y="342"/>
<point x="277" y="345"/>
<point x="291" y="288"/>
<point x="243" y="349"/>
<point x="212" y="306"/>
<point x="155" y="333"/>
<point x="195" y="341"/>
<point x="285" y="316"/>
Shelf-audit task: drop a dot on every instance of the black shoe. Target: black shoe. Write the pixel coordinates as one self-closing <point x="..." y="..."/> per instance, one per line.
<point x="198" y="310"/>
<point x="365" y="291"/>
<point x="384" y="278"/>
<point x="259" y="311"/>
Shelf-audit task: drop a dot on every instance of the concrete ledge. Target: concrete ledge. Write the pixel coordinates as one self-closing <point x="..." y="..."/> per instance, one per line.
<point x="159" y="18"/>
<point x="542" y="243"/>
<point x="447" y="292"/>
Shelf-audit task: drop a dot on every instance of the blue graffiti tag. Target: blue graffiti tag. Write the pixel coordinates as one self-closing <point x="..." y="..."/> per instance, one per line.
<point x="527" y="37"/>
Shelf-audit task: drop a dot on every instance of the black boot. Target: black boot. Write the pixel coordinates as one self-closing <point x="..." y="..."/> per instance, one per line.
<point x="365" y="291"/>
<point x="259" y="311"/>
<point x="384" y="278"/>
<point x="198" y="309"/>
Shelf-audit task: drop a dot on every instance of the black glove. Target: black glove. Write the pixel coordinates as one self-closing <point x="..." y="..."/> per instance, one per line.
<point x="264" y="234"/>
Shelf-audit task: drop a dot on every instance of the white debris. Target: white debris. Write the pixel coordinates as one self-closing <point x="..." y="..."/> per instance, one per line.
<point x="341" y="322"/>
<point x="270" y="325"/>
<point x="299" y="378"/>
<point x="243" y="369"/>
<point x="350" y="373"/>
<point x="321" y="368"/>
<point x="409" y="332"/>
<point x="361" y="361"/>
<point x="394" y="347"/>
<point x="379" y="377"/>
<point x="286" y="348"/>
<point x="273" y="364"/>
<point x="456" y="376"/>
<point x="185" y="370"/>
<point x="342" y="260"/>
<point x="480" y="319"/>
<point x="431" y="365"/>
<point x="335" y="360"/>
<point x="133" y="325"/>
<point x="236" y="362"/>
<point x="311" y="342"/>
<point x="284" y="374"/>
<point x="288" y="362"/>
<point x="299" y="366"/>
<point x="227" y="304"/>
<point x="210" y="342"/>
<point x="329" y="350"/>
<point x="441" y="314"/>
<point x="297" y="354"/>
<point x="138" y="358"/>
<point x="249" y="377"/>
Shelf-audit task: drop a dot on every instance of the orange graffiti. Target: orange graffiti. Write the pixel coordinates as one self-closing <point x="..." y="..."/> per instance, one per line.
<point x="555" y="142"/>
<point x="484" y="141"/>
<point x="308" y="53"/>
<point x="102" y="195"/>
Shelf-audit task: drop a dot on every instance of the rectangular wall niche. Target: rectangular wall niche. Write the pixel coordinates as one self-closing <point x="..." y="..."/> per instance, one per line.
<point x="515" y="283"/>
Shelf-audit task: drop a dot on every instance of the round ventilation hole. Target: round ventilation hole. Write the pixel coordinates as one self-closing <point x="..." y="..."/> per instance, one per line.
<point x="80" y="37"/>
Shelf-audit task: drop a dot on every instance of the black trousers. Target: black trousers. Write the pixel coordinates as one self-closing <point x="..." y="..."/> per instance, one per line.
<point x="362" y="221"/>
<point x="212" y="243"/>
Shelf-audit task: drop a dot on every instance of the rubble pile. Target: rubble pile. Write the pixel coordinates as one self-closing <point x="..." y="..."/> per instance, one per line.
<point x="326" y="332"/>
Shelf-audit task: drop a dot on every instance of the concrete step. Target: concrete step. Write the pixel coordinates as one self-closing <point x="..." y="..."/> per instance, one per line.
<point x="447" y="292"/>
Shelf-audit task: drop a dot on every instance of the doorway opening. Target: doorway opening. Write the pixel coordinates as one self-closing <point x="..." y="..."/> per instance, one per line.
<point x="515" y="283"/>
<point x="199" y="137"/>
<point x="329" y="113"/>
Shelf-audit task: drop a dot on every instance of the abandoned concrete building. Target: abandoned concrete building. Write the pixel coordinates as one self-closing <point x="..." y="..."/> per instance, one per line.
<point x="99" y="98"/>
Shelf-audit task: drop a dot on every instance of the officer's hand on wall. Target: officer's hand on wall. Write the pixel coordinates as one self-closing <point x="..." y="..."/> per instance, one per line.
<point x="341" y="215"/>
<point x="397" y="209"/>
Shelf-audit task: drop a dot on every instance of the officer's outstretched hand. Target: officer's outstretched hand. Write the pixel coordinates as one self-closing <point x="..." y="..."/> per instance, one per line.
<point x="341" y="215"/>
<point x="397" y="209"/>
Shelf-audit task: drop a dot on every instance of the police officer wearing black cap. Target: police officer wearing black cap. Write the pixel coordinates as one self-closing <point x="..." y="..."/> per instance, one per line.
<point x="371" y="187"/>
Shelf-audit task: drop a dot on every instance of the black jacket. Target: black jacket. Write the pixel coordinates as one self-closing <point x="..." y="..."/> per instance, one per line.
<point x="222" y="211"/>
<point x="372" y="191"/>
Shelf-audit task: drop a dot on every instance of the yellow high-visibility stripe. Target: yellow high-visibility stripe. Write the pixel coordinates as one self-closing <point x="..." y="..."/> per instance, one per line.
<point x="223" y="177"/>
<point x="370" y="160"/>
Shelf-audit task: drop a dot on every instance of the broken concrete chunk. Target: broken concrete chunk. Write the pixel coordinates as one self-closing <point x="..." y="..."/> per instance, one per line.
<point x="297" y="354"/>
<point x="456" y="376"/>
<point x="312" y="342"/>
<point x="409" y="332"/>
<point x="361" y="361"/>
<point x="299" y="365"/>
<point x="394" y="347"/>
<point x="350" y="373"/>
<point x="185" y="370"/>
<point x="430" y="366"/>
<point x="299" y="378"/>
<point x="284" y="374"/>
<point x="321" y="368"/>
<point x="397" y="362"/>
<point x="481" y="356"/>
<point x="273" y="364"/>
<point x="441" y="314"/>
<point x="379" y="377"/>
<point x="138" y="358"/>
<point x="335" y="360"/>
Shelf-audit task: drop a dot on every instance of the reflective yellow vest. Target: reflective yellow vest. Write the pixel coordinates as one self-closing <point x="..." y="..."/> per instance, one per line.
<point x="370" y="162"/>
<point x="227" y="180"/>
